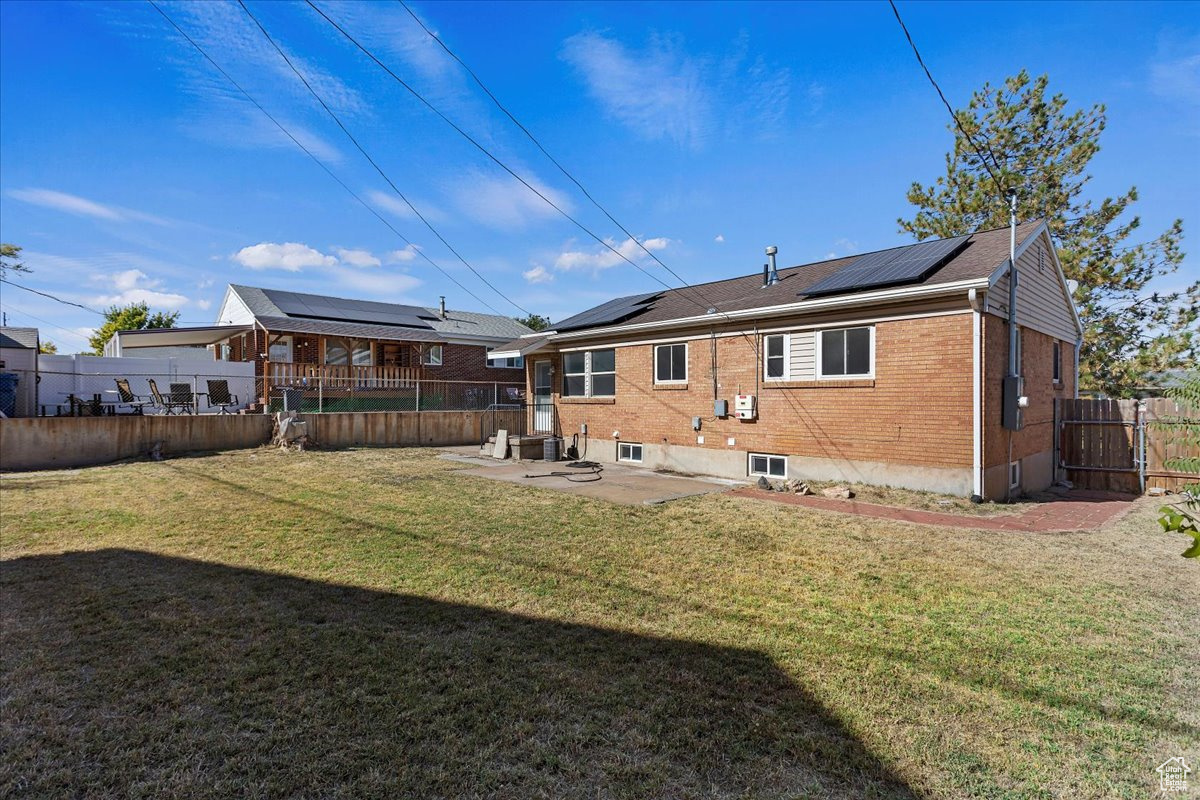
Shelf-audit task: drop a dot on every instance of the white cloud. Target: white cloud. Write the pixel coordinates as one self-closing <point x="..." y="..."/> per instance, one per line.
<point x="402" y="256"/>
<point x="81" y="206"/>
<point x="357" y="258"/>
<point x="134" y="286"/>
<point x="1175" y="77"/>
<point x="602" y="258"/>
<point x="204" y="305"/>
<point x="538" y="274"/>
<point x="391" y="204"/>
<point x="719" y="238"/>
<point x="502" y="202"/>
<point x="659" y="93"/>
<point x="376" y="284"/>
<point x="663" y="92"/>
<point x="290" y="256"/>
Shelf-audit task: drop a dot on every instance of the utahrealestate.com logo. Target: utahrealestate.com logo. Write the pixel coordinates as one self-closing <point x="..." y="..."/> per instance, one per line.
<point x="1173" y="774"/>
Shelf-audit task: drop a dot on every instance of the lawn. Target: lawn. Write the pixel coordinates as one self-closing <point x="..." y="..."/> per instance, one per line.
<point x="370" y="623"/>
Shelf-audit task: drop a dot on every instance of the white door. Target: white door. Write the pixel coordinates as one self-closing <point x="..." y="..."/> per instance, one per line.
<point x="543" y="400"/>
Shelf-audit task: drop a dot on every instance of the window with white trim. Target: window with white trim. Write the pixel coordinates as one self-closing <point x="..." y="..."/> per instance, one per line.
<point x="846" y="353"/>
<point x="768" y="465"/>
<point x="432" y="355"/>
<point x="590" y="373"/>
<point x="775" y="357"/>
<point x="629" y="451"/>
<point x="512" y="362"/>
<point x="1057" y="362"/>
<point x="670" y="363"/>
<point x="1014" y="474"/>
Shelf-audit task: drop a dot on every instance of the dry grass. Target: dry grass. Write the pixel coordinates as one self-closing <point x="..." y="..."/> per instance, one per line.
<point x="369" y="623"/>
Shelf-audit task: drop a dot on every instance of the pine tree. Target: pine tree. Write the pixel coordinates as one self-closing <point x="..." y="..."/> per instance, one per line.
<point x="1035" y="144"/>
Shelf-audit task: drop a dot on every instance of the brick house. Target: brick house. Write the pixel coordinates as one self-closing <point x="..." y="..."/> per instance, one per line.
<point x="882" y="368"/>
<point x="298" y="339"/>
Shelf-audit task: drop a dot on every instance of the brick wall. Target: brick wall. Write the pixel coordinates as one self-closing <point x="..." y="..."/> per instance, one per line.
<point x="1037" y="365"/>
<point x="917" y="410"/>
<point x="462" y="362"/>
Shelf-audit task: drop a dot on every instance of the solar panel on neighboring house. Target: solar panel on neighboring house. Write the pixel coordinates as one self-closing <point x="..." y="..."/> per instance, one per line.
<point x="889" y="267"/>
<point x="311" y="306"/>
<point x="616" y="310"/>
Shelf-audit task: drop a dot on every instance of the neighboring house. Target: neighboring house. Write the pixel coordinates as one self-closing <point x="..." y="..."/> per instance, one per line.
<point x="883" y="368"/>
<point x="19" y="356"/>
<point x="297" y="338"/>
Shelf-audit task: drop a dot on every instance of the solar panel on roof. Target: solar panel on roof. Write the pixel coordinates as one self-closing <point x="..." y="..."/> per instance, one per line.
<point x="889" y="267"/>
<point x="295" y="304"/>
<point x="621" y="308"/>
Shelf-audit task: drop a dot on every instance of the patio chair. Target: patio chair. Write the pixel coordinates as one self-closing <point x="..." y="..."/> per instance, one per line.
<point x="137" y="402"/>
<point x="182" y="395"/>
<point x="176" y="402"/>
<point x="218" y="395"/>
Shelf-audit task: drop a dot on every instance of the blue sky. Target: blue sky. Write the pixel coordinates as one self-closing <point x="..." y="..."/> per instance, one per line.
<point x="130" y="169"/>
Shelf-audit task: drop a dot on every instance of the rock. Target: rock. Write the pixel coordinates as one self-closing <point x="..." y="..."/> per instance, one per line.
<point x="764" y="484"/>
<point x="781" y="486"/>
<point x="838" y="492"/>
<point x="797" y="486"/>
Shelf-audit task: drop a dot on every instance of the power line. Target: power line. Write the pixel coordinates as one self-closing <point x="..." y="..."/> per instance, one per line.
<point x="485" y="151"/>
<point x="540" y="147"/>
<point x="52" y="297"/>
<point x="316" y="160"/>
<point x="67" y="331"/>
<point x="946" y="103"/>
<point x="372" y="161"/>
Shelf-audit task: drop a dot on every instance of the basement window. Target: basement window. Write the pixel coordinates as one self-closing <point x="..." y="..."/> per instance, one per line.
<point x="1058" y="362"/>
<point x="629" y="451"/>
<point x="846" y="353"/>
<point x="775" y="361"/>
<point x="670" y="363"/>
<point x="768" y="465"/>
<point x="1014" y="475"/>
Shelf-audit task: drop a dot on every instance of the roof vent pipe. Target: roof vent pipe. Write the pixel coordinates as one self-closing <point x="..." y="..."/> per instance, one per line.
<point x="442" y="306"/>
<point x="773" y="276"/>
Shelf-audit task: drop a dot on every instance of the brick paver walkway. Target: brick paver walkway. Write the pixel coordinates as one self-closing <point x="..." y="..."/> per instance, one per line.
<point x="1078" y="510"/>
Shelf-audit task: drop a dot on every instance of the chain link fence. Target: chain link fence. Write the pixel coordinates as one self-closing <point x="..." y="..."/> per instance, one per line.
<point x="319" y="395"/>
<point x="62" y="393"/>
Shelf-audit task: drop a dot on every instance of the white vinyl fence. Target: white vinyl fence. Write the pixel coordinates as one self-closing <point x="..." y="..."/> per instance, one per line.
<point x="85" y="377"/>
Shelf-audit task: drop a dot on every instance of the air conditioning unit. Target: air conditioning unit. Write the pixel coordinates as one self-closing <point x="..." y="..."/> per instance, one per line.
<point x="745" y="406"/>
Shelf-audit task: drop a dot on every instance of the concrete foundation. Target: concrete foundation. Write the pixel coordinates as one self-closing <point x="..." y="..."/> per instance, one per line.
<point x="733" y="464"/>
<point x="1037" y="473"/>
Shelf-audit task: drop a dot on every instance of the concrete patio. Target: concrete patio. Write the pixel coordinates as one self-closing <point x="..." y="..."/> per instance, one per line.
<point x="615" y="483"/>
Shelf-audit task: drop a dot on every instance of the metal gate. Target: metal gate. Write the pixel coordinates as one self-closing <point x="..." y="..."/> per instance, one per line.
<point x="1101" y="444"/>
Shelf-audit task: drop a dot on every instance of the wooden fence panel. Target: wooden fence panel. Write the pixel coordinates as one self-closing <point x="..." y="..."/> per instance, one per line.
<point x="1160" y="448"/>
<point x="1099" y="438"/>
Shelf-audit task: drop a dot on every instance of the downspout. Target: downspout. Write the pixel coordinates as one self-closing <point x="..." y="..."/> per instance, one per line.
<point x="976" y="397"/>
<point x="1012" y="326"/>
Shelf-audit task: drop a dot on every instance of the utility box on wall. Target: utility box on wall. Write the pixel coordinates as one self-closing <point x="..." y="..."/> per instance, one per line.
<point x="720" y="408"/>
<point x="745" y="406"/>
<point x="1013" y="402"/>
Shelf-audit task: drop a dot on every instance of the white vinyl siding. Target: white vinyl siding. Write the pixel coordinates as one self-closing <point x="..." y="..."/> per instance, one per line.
<point x="803" y="366"/>
<point x="1042" y="301"/>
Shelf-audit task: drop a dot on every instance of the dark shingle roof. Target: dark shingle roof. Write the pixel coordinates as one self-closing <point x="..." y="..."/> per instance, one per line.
<point x="458" y="324"/>
<point x="984" y="252"/>
<point x="19" y="338"/>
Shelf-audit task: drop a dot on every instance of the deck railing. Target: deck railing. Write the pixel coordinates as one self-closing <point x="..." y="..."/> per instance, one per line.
<point x="338" y="376"/>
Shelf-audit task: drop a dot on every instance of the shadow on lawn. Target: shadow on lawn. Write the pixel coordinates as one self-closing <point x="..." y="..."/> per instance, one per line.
<point x="127" y="672"/>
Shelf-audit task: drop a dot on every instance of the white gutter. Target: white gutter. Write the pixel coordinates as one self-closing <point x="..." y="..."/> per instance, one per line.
<point x="869" y="298"/>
